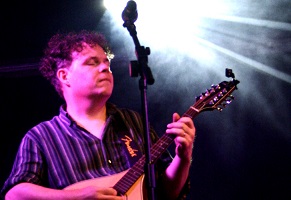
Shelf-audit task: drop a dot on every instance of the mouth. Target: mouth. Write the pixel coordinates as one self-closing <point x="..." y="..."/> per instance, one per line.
<point x="104" y="80"/>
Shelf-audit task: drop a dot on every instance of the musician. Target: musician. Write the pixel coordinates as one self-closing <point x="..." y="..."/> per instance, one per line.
<point x="90" y="138"/>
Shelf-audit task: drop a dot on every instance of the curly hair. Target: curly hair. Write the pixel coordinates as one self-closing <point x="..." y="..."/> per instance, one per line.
<point x="58" y="53"/>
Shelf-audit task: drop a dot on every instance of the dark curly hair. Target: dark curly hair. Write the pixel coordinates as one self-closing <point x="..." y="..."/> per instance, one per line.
<point x="58" y="53"/>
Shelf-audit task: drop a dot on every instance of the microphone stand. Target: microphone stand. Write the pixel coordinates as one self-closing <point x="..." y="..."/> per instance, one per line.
<point x="141" y="67"/>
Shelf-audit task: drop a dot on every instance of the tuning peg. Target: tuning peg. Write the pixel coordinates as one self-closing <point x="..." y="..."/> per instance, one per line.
<point x="211" y="90"/>
<point x="215" y="99"/>
<point x="206" y="94"/>
<point x="220" y="94"/>
<point x="224" y="91"/>
<point x="223" y="104"/>
<point x="217" y="86"/>
<point x="229" y="99"/>
<point x="219" y="109"/>
<point x="198" y="97"/>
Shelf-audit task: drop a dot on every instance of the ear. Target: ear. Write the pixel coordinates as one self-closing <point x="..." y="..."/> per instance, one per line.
<point x="63" y="75"/>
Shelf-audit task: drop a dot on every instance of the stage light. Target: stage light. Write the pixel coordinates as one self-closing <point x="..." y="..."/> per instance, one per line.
<point x="198" y="29"/>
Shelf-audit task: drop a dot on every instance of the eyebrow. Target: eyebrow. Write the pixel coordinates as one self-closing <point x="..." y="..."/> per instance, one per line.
<point x="96" y="58"/>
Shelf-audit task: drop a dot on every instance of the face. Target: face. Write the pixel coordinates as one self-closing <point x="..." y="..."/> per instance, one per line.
<point x="89" y="75"/>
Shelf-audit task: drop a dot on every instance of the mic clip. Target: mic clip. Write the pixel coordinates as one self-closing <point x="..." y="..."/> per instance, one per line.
<point x="129" y="14"/>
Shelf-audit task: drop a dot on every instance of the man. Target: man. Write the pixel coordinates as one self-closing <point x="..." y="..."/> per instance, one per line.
<point x="86" y="140"/>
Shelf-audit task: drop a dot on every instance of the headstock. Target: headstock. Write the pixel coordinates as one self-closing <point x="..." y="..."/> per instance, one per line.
<point x="218" y="96"/>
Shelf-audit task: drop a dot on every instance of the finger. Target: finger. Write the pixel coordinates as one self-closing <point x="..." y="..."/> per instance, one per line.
<point x="110" y="191"/>
<point x="188" y="121"/>
<point x="178" y="131"/>
<point x="175" y="117"/>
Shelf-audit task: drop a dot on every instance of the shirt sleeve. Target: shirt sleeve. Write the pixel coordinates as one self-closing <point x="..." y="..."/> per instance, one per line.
<point x="27" y="166"/>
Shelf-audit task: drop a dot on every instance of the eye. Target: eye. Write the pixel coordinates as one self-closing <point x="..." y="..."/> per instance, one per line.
<point x="92" y="62"/>
<point x="107" y="61"/>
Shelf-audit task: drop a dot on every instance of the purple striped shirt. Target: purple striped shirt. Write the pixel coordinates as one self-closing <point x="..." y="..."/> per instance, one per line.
<point x="58" y="152"/>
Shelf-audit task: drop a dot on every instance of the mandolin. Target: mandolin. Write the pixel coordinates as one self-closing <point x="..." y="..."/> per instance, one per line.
<point x="130" y="183"/>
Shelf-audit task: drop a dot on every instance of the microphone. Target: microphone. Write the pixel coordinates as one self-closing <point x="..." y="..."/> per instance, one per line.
<point x="130" y="12"/>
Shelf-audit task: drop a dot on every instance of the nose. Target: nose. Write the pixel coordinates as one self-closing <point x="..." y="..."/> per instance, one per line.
<point x="104" y="67"/>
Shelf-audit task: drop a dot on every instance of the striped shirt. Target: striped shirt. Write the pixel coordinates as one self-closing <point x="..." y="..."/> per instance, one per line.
<point x="58" y="152"/>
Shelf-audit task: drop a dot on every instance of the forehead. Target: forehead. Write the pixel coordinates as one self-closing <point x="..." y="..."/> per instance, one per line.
<point x="87" y="51"/>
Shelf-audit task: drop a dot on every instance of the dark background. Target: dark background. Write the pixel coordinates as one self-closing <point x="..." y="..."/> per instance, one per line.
<point x="242" y="152"/>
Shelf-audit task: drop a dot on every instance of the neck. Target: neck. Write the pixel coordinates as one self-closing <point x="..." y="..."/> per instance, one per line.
<point x="86" y="111"/>
<point x="92" y="118"/>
